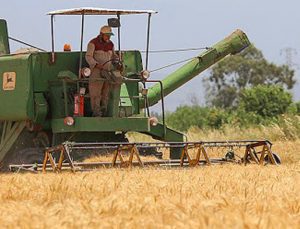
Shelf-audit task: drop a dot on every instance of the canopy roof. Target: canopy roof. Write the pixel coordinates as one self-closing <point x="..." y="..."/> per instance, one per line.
<point x="99" y="11"/>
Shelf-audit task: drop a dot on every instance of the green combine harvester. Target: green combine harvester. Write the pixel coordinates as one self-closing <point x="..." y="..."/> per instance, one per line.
<point x="40" y="108"/>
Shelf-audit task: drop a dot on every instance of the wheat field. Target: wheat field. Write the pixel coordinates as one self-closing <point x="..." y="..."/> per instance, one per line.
<point x="217" y="196"/>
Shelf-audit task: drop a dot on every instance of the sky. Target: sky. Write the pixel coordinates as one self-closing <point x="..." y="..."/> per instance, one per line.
<point x="272" y="25"/>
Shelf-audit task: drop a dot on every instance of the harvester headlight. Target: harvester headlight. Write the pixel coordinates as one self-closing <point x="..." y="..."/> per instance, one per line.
<point x="86" y="72"/>
<point x="142" y="90"/>
<point x="153" y="121"/>
<point x="69" y="121"/>
<point x="145" y="75"/>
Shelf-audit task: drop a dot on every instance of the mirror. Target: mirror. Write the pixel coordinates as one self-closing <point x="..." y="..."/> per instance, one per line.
<point x="114" y="22"/>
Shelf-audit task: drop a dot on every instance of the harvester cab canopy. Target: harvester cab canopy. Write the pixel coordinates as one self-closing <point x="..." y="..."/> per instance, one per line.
<point x="113" y="22"/>
<point x="99" y="11"/>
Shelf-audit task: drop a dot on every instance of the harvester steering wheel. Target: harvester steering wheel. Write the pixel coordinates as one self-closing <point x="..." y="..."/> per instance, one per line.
<point x="116" y="62"/>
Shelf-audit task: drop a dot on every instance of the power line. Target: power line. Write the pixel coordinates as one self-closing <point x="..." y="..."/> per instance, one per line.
<point x="170" y="65"/>
<point x="177" y="50"/>
<point x="24" y="43"/>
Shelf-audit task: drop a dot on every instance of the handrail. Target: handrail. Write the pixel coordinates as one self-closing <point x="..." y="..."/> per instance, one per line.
<point x="162" y="103"/>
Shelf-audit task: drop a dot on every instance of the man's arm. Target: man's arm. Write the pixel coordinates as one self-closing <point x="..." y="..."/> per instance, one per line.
<point x="116" y="60"/>
<point x="114" y="54"/>
<point x="89" y="56"/>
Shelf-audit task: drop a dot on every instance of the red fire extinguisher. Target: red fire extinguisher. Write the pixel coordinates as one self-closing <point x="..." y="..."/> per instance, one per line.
<point x="78" y="105"/>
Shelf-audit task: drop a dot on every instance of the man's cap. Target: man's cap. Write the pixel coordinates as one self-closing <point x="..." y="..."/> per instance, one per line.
<point x="106" y="30"/>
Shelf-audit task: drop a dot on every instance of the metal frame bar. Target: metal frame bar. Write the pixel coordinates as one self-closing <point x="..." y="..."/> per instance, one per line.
<point x="64" y="84"/>
<point x="10" y="133"/>
<point x="208" y="144"/>
<point x="3" y="131"/>
<point x="83" y="166"/>
<point x="148" y="41"/>
<point x="52" y="40"/>
<point x="162" y="102"/>
<point x="119" y="37"/>
<point x="24" y="43"/>
<point x="147" y="61"/>
<point x="81" y="45"/>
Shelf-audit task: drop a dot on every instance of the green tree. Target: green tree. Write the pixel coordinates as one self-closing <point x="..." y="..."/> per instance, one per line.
<point x="265" y="101"/>
<point x="229" y="77"/>
<point x="187" y="116"/>
<point x="297" y="104"/>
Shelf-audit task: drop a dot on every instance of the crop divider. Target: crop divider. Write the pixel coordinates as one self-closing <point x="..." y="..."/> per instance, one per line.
<point x="194" y="161"/>
<point x="259" y="157"/>
<point x="64" y="153"/>
<point x="133" y="151"/>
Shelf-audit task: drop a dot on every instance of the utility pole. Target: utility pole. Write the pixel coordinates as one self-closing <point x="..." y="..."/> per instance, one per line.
<point x="289" y="55"/>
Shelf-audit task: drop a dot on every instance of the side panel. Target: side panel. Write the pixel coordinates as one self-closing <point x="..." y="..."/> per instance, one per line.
<point x="4" y="44"/>
<point x="104" y="124"/>
<point x="133" y="65"/>
<point x="44" y="71"/>
<point x="16" y="96"/>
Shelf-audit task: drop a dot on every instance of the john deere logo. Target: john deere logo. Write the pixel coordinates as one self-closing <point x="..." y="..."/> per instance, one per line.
<point x="9" y="81"/>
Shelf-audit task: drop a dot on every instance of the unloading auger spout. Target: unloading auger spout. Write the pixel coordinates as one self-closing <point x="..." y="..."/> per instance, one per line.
<point x="234" y="43"/>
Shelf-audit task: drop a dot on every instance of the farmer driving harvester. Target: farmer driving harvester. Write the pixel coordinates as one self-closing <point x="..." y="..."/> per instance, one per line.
<point x="100" y="55"/>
